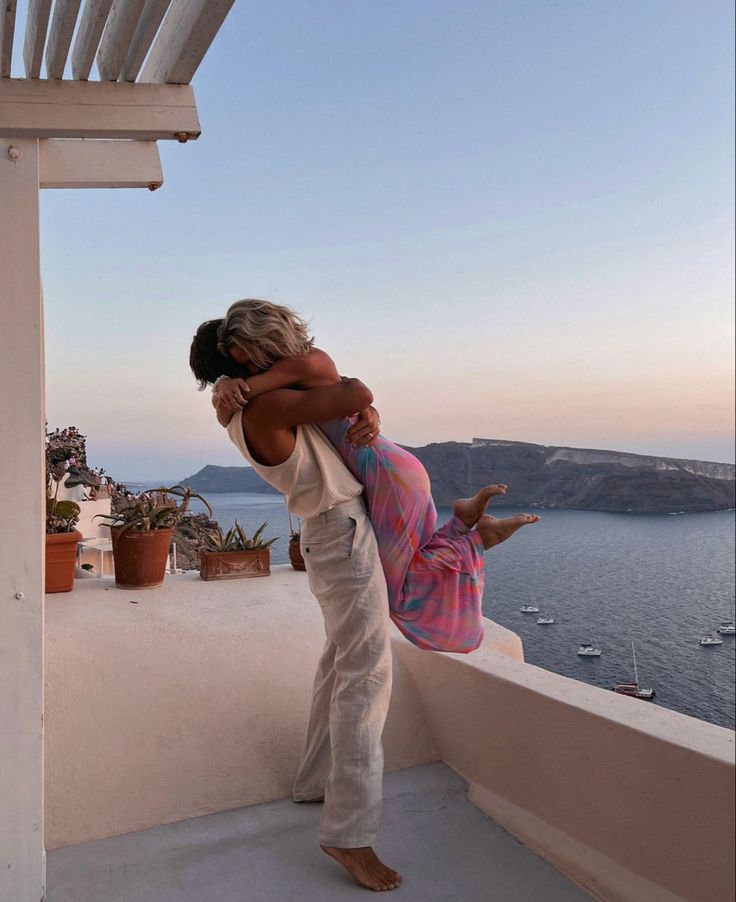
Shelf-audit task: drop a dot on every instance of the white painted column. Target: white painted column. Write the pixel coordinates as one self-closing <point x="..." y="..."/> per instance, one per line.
<point x="22" y="527"/>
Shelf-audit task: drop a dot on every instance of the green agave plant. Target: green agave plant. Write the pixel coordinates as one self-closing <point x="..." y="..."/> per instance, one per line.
<point x="236" y="539"/>
<point x="153" y="509"/>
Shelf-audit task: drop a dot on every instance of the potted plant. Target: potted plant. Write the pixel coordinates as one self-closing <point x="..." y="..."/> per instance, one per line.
<point x="141" y="527"/>
<point x="295" y="549"/>
<point x="61" y="544"/>
<point x="235" y="555"/>
<point x="63" y="469"/>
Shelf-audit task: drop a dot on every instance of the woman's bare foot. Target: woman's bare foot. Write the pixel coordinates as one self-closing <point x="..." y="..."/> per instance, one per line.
<point x="366" y="867"/>
<point x="493" y="531"/>
<point x="470" y="510"/>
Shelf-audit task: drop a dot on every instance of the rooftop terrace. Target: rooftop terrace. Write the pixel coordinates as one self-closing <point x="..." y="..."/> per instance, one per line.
<point x="446" y="848"/>
<point x="175" y="719"/>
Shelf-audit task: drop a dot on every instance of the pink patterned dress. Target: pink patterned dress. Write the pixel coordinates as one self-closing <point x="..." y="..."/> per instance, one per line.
<point x="434" y="576"/>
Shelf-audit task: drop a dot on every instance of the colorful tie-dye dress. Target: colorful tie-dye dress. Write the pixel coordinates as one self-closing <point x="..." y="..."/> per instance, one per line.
<point x="434" y="576"/>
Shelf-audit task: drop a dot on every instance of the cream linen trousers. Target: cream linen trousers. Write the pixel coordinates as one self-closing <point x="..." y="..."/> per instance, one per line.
<point x="343" y="759"/>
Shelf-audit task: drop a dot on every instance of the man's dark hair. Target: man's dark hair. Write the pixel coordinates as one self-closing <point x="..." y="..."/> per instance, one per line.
<point x="206" y="362"/>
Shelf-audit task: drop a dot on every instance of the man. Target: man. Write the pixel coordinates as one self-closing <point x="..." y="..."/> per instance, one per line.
<point x="343" y="760"/>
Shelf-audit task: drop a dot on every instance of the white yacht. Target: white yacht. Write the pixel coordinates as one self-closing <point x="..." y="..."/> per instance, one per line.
<point x="711" y="639"/>
<point x="544" y="619"/>
<point x="589" y="650"/>
<point x="529" y="609"/>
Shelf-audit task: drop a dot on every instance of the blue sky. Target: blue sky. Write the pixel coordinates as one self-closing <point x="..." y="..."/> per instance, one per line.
<point x="511" y="220"/>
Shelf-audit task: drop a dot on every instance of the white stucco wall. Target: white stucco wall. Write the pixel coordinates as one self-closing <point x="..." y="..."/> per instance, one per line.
<point x="189" y="699"/>
<point x="632" y="801"/>
<point x="194" y="698"/>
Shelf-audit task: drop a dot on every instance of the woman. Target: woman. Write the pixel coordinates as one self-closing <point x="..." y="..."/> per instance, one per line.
<point x="435" y="577"/>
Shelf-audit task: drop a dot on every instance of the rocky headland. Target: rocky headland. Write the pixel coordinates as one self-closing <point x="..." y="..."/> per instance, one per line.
<point x="542" y="476"/>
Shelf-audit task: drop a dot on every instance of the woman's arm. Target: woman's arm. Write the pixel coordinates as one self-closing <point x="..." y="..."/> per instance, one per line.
<point x="308" y="371"/>
<point x="284" y="408"/>
<point x="313" y="370"/>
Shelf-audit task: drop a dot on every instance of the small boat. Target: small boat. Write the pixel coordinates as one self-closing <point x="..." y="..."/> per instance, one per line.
<point x="728" y="627"/>
<point x="711" y="639"/>
<point x="544" y="619"/>
<point x="634" y="690"/>
<point x="589" y="650"/>
<point x="529" y="609"/>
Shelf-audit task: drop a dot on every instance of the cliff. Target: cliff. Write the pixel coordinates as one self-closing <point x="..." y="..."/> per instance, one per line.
<point x="577" y="478"/>
<point x="541" y="476"/>
<point x="228" y="479"/>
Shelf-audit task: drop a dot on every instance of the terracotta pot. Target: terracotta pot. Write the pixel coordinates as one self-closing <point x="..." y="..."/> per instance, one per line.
<point x="295" y="555"/>
<point x="61" y="560"/>
<point x="234" y="564"/>
<point x="140" y="557"/>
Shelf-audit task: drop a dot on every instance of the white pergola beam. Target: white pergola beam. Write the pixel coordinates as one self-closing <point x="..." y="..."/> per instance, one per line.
<point x="37" y="23"/>
<point x="90" y="30"/>
<point x="22" y="527"/>
<point x="115" y="43"/>
<point x="85" y="109"/>
<point x="60" y="36"/>
<point x="188" y="30"/>
<point x="65" y="163"/>
<point x="148" y="24"/>
<point x="7" y="30"/>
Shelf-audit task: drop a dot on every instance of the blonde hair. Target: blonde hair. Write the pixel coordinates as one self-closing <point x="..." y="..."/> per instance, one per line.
<point x="265" y="331"/>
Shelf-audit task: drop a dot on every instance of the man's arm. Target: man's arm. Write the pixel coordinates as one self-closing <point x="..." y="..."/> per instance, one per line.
<point x="268" y="422"/>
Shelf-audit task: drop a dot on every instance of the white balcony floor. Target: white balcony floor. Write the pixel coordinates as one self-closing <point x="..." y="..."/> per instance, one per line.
<point x="446" y="849"/>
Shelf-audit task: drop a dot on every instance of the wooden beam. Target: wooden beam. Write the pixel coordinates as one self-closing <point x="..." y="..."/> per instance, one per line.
<point x="82" y="163"/>
<point x="148" y="24"/>
<point x="88" y="37"/>
<point x="7" y="29"/>
<point x="188" y="30"/>
<point x="37" y="24"/>
<point x="115" y="43"/>
<point x="60" y="36"/>
<point x="87" y="109"/>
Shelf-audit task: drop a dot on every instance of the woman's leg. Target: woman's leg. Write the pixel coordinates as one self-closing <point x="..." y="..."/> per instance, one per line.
<point x="434" y="577"/>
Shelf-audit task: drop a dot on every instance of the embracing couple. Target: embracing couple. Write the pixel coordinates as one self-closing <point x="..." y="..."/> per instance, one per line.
<point x="371" y="545"/>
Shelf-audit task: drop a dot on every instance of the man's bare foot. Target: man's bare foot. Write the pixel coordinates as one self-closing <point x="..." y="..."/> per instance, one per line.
<point x="366" y="867"/>
<point x="470" y="510"/>
<point x="493" y="531"/>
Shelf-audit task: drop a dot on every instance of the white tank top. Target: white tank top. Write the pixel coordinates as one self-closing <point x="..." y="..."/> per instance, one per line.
<point x="313" y="477"/>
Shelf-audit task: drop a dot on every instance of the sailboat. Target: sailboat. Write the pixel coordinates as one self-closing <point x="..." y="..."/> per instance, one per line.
<point x="634" y="689"/>
<point x="728" y="627"/>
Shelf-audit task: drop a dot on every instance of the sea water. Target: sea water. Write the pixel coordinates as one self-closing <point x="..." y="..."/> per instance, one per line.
<point x="661" y="580"/>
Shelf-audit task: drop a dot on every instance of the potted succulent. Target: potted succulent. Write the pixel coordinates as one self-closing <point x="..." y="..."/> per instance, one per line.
<point x="63" y="469"/>
<point x="61" y="544"/>
<point x="235" y="555"/>
<point x="295" y="549"/>
<point x="141" y="527"/>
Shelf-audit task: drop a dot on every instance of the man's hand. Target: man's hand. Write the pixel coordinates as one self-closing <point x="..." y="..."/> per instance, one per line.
<point x="366" y="428"/>
<point x="232" y="394"/>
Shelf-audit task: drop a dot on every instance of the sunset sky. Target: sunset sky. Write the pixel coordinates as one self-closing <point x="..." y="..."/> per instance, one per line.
<point x="511" y="220"/>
